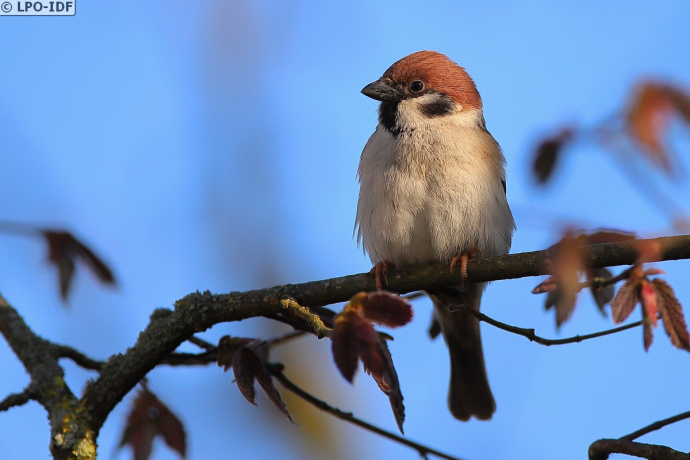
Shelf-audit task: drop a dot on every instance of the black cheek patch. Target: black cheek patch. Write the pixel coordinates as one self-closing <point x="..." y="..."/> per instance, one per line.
<point x="442" y="105"/>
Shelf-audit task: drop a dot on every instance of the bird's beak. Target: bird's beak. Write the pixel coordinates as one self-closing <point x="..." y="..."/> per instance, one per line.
<point x="381" y="91"/>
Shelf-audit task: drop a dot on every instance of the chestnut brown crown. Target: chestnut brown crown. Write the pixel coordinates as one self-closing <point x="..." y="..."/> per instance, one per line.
<point x="438" y="73"/>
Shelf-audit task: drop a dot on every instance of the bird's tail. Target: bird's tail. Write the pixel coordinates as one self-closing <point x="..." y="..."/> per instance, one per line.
<point x="469" y="394"/>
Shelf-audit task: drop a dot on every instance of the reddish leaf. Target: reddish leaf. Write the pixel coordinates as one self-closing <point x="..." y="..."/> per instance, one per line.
<point x="148" y="418"/>
<point x="647" y="298"/>
<point x="368" y="348"/>
<point x="353" y="337"/>
<point x="604" y="295"/>
<point x="551" y="299"/>
<point x="64" y="250"/>
<point x="649" y="251"/>
<point x="672" y="315"/>
<point x="547" y="285"/>
<point x="648" y="301"/>
<point x="172" y="430"/>
<point x="248" y="360"/>
<point x="625" y="301"/>
<point x="609" y="236"/>
<point x="266" y="381"/>
<point x="565" y="305"/>
<point x="547" y="154"/>
<point x="647" y="334"/>
<point x="647" y="119"/>
<point x="227" y="346"/>
<point x="680" y="101"/>
<point x="344" y="345"/>
<point x="388" y="382"/>
<point x="243" y="363"/>
<point x="386" y="309"/>
<point x="566" y="264"/>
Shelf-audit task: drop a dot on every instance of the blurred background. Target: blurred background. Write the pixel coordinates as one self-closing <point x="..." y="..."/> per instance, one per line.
<point x="214" y="145"/>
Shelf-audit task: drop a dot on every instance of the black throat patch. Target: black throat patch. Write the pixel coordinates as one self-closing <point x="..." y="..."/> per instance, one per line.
<point x="388" y="116"/>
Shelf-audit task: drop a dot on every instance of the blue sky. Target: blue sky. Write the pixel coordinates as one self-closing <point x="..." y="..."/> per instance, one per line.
<point x="214" y="146"/>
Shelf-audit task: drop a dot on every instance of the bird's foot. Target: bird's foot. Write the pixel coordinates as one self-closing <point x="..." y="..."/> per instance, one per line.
<point x="381" y="270"/>
<point x="463" y="259"/>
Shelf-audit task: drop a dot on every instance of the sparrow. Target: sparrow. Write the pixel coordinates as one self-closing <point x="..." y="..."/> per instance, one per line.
<point x="433" y="189"/>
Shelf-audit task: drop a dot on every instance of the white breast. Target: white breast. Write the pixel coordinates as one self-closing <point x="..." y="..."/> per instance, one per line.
<point x="432" y="192"/>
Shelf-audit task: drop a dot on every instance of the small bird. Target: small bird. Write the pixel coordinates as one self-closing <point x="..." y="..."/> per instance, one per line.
<point x="433" y="189"/>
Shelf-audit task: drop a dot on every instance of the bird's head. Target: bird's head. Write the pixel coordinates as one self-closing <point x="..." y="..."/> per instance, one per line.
<point x="422" y="86"/>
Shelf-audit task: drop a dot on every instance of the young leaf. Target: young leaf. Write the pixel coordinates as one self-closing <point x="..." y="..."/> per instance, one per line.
<point x="388" y="382"/>
<point x="547" y="285"/>
<point x="149" y="418"/>
<point x="565" y="264"/>
<point x="625" y="301"/>
<point x="64" y="250"/>
<point x="345" y="345"/>
<point x="227" y="346"/>
<point x="601" y="295"/>
<point x="266" y="381"/>
<point x="648" y="300"/>
<point x="672" y="315"/>
<point x="609" y="236"/>
<point x="243" y="364"/>
<point x="547" y="154"/>
<point x="647" y="334"/>
<point x="248" y="360"/>
<point x="565" y="305"/>
<point x="647" y="119"/>
<point x="369" y="351"/>
<point x="386" y="309"/>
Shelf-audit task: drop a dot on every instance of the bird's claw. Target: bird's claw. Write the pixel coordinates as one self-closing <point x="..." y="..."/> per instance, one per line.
<point x="463" y="259"/>
<point x="380" y="269"/>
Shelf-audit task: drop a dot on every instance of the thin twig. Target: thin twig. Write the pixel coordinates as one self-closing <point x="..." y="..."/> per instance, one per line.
<point x="347" y="416"/>
<point x="655" y="426"/>
<point x="17" y="399"/>
<point x="190" y="359"/>
<point x="281" y="339"/>
<point x="414" y="295"/>
<point x="601" y="283"/>
<point x="303" y="313"/>
<point x="201" y="343"/>
<point x="530" y="334"/>
<point x="79" y="358"/>
<point x="601" y="449"/>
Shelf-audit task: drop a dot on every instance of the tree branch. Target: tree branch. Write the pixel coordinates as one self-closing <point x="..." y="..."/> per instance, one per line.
<point x="71" y="433"/>
<point x="79" y="358"/>
<point x="530" y="334"/>
<point x="656" y="426"/>
<point x="198" y="312"/>
<point x="17" y="399"/>
<point x="348" y="417"/>
<point x="601" y="449"/>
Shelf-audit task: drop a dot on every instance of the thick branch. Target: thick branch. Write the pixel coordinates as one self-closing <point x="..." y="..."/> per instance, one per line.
<point x="199" y="311"/>
<point x="71" y="434"/>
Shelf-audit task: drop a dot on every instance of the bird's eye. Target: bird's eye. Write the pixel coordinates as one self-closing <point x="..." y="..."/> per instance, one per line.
<point x="417" y="86"/>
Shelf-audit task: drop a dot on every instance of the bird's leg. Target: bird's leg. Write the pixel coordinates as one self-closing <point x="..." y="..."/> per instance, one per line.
<point x="381" y="268"/>
<point x="463" y="259"/>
